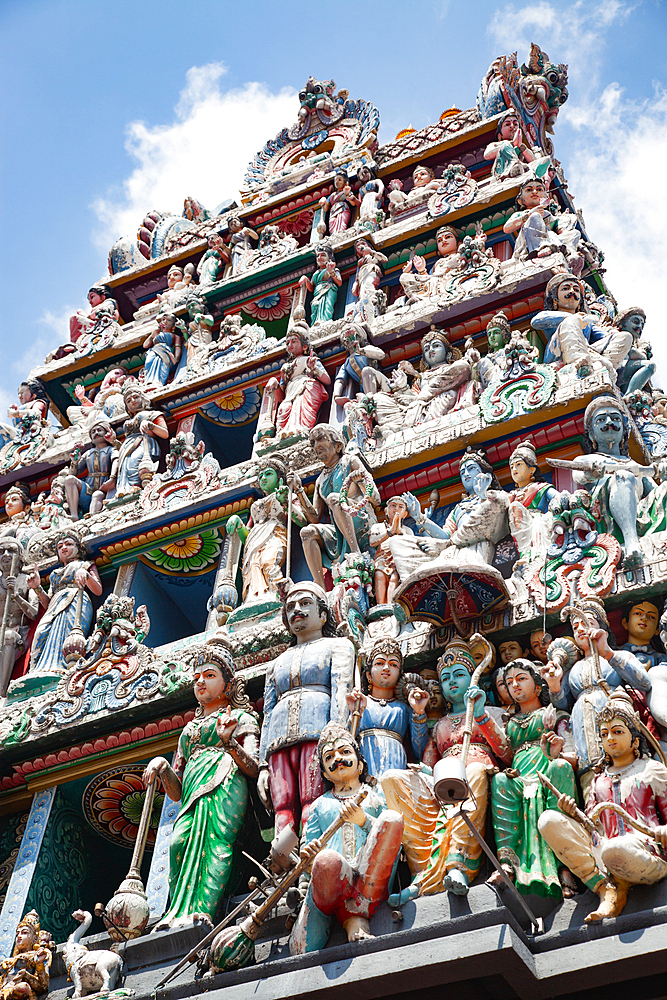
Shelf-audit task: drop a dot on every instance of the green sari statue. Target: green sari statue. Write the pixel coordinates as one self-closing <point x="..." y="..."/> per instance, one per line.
<point x="216" y="752"/>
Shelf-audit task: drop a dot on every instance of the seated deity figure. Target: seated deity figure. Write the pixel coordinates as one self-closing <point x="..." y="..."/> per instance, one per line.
<point x="25" y="976"/>
<point x="211" y="267"/>
<point x="631" y="786"/>
<point x="163" y="349"/>
<point x="630" y="504"/>
<point x="511" y="156"/>
<point x="31" y="410"/>
<point x="239" y="241"/>
<point x="540" y="232"/>
<point x="339" y="204"/>
<point x="108" y="401"/>
<point x="575" y="336"/>
<point x="424" y="184"/>
<point x="441" y="851"/>
<point x="291" y="402"/>
<point x="358" y="373"/>
<point x="351" y="877"/>
<point x="422" y="284"/>
<point x="529" y="518"/>
<point x="491" y="367"/>
<point x="217" y="753"/>
<point x="346" y="492"/>
<point x="18" y="508"/>
<point x="541" y="743"/>
<point x="386" y="714"/>
<point x="264" y="537"/>
<point x="368" y="299"/>
<point x="51" y="509"/>
<point x="445" y="373"/>
<point x="103" y="306"/>
<point x="324" y="285"/>
<point x="639" y="368"/>
<point x="142" y="430"/>
<point x="179" y="280"/>
<point x="87" y="493"/>
<point x="305" y="688"/>
<point x="585" y="688"/>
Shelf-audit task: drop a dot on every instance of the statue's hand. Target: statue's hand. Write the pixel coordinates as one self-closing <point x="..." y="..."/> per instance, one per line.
<point x="601" y="640"/>
<point x="553" y="675"/>
<point x="351" y="700"/>
<point x="79" y="391"/>
<point x="428" y="547"/>
<point x="413" y="505"/>
<point x="481" y="484"/>
<point x="476" y="694"/>
<point x="263" y="789"/>
<point x="146" y="427"/>
<point x="233" y="525"/>
<point x="225" y="726"/>
<point x="420" y="264"/>
<point x="154" y="769"/>
<point x="81" y="577"/>
<point x="353" y="813"/>
<point x="33" y="580"/>
<point x="418" y="699"/>
<point x="551" y="744"/>
<point x="567" y="805"/>
<point x="309" y="851"/>
<point x="293" y="479"/>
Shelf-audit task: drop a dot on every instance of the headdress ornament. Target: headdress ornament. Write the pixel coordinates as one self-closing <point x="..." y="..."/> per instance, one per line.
<point x="459" y="652"/>
<point x="630" y="311"/>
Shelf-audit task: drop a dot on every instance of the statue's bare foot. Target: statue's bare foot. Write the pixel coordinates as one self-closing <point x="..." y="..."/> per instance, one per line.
<point x="457" y="882"/>
<point x="612" y="900"/>
<point x="496" y="879"/>
<point x="357" y="928"/>
<point x="403" y="897"/>
<point x="567" y="883"/>
<point x="633" y="557"/>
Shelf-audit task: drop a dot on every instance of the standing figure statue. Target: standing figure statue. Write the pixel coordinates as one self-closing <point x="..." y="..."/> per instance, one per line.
<point x="618" y="854"/>
<point x="87" y="493"/>
<point x="216" y="754"/>
<point x="358" y="373"/>
<point x="639" y="368"/>
<point x="291" y="402"/>
<point x="239" y="241"/>
<point x="352" y="876"/>
<point x="265" y="536"/>
<point x="369" y="300"/>
<point x="540" y="232"/>
<point x="211" y="267"/>
<point x="66" y="604"/>
<point x="591" y="680"/>
<point x="530" y="522"/>
<point x="141" y="447"/>
<point x="324" y="283"/>
<point x="16" y="602"/>
<point x="541" y="743"/>
<point x="444" y="374"/>
<point x="305" y="688"/>
<point x="345" y="490"/>
<point x="339" y="204"/>
<point x="387" y="579"/>
<point x="25" y="976"/>
<point x="18" y="508"/>
<point x="575" y="336"/>
<point x="163" y="349"/>
<point x="491" y="367"/>
<point x="371" y="191"/>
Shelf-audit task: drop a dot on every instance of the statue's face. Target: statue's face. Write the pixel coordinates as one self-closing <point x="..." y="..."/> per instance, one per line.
<point x="642" y="623"/>
<point x="521" y="472"/>
<point x="25" y="939"/>
<point x="469" y="472"/>
<point x="607" y="427"/>
<point x="580" y="632"/>
<point x="340" y="762"/>
<point x="495" y="338"/>
<point x="133" y="402"/>
<point x="539" y="643"/>
<point x="385" y="670"/>
<point x="502" y="692"/>
<point x="434" y="352"/>
<point x="268" y="479"/>
<point x="421" y="177"/>
<point x="447" y="244"/>
<point x="532" y="195"/>
<point x="362" y="248"/>
<point x="235" y="225"/>
<point x="95" y="298"/>
<point x="521" y="685"/>
<point x="67" y="550"/>
<point x="568" y="295"/>
<point x="14" y="503"/>
<point x="395" y="507"/>
<point x="98" y="434"/>
<point x="634" y="324"/>
<point x="339" y="182"/>
<point x="364" y="175"/>
<point x="617" y="740"/>
<point x="508" y="128"/>
<point x="454" y="681"/>
<point x="326" y="450"/>
<point x="24" y="394"/>
<point x="175" y="274"/>
<point x="322" y="259"/>
<point x="209" y="684"/>
<point x="509" y="651"/>
<point x="294" y="345"/>
<point x="303" y="614"/>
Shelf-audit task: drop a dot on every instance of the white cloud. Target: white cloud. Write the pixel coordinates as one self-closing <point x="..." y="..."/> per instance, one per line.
<point x="203" y="153"/>
<point x="54" y="331"/>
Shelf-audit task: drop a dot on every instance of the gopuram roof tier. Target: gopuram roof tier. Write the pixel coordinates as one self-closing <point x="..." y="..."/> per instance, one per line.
<point x="332" y="578"/>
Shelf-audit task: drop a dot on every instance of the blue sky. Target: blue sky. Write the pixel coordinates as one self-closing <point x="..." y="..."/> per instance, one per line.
<point x="111" y="110"/>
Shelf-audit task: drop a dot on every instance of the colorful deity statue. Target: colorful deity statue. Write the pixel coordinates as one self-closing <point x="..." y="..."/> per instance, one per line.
<point x="641" y="624"/>
<point x="351" y="877"/>
<point x="51" y="509"/>
<point x="66" y="605"/>
<point x="346" y="492"/>
<point x="217" y="753"/>
<point x="442" y="852"/>
<point x="17" y="603"/>
<point x="539" y="642"/>
<point x="422" y="284"/>
<point x="179" y="280"/>
<point x="265" y="535"/>
<point x="140" y="449"/>
<point x="87" y="493"/>
<point x="339" y="204"/>
<point x="491" y="367"/>
<point x="108" y="401"/>
<point x="445" y="373"/>
<point x="324" y="284"/>
<point x="212" y="266"/>
<point x="358" y="373"/>
<point x="239" y="241"/>
<point x="371" y="191"/>
<point x="29" y="432"/>
<point x="104" y="309"/>
<point x="575" y="336"/>
<point x="541" y="742"/>
<point x="510" y="650"/>
<point x="25" y="976"/>
<point x="627" y="802"/>
<point x="639" y="368"/>
<point x="369" y="300"/>
<point x="540" y="232"/>
<point x="291" y="402"/>
<point x="386" y="714"/>
<point x="163" y="349"/>
<point x="630" y="502"/>
<point x="529" y="503"/>
<point x="18" y="508"/>
<point x="424" y="184"/>
<point x="510" y="154"/>
<point x="387" y="579"/>
<point x="586" y="687"/>
<point x="305" y="687"/>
